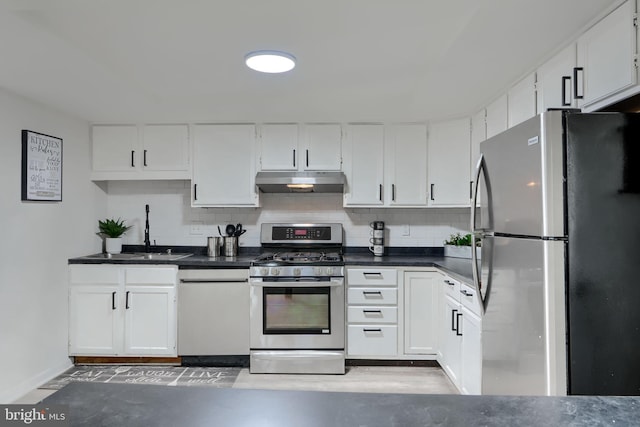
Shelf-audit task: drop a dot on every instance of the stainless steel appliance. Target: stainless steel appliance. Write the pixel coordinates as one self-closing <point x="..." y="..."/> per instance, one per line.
<point x="559" y="222"/>
<point x="297" y="300"/>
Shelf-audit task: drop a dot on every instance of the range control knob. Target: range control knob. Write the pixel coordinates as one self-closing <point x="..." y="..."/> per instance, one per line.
<point x="296" y="271"/>
<point x="275" y="271"/>
<point x="317" y="271"/>
<point x="329" y="271"/>
<point x="264" y="271"/>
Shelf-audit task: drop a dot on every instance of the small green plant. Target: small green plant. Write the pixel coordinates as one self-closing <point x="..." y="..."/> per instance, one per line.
<point x="112" y="228"/>
<point x="460" y="240"/>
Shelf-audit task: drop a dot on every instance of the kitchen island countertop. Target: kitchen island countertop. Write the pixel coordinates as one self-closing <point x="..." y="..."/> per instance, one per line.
<point x="154" y="405"/>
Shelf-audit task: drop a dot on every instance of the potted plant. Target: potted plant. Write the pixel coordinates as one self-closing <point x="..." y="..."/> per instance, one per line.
<point x="112" y="230"/>
<point x="459" y="246"/>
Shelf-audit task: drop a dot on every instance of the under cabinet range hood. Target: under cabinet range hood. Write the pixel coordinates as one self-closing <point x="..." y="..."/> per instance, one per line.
<point x="300" y="182"/>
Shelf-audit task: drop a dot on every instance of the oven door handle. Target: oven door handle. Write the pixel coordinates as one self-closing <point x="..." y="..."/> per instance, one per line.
<point x="338" y="282"/>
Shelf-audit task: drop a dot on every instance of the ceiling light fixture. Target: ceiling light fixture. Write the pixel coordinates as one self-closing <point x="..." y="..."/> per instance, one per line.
<point x="270" y="61"/>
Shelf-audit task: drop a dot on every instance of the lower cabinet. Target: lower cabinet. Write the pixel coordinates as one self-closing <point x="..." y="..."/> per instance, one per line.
<point x="392" y="313"/>
<point x="461" y="336"/>
<point x="122" y="311"/>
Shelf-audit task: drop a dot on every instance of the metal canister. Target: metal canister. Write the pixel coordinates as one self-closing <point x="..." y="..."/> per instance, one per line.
<point x="230" y="246"/>
<point x="214" y="244"/>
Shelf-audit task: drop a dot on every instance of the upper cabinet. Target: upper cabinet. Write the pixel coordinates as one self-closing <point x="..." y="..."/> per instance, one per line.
<point x="406" y="170"/>
<point x="449" y="152"/>
<point x="364" y="165"/>
<point x="122" y="152"/>
<point x="554" y="87"/>
<point x="497" y="116"/>
<point x="386" y="165"/>
<point x="521" y="100"/>
<point x="607" y="62"/>
<point x="224" y="165"/>
<point x="290" y="147"/>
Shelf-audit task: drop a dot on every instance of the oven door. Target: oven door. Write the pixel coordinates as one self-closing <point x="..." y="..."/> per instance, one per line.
<point x="297" y="315"/>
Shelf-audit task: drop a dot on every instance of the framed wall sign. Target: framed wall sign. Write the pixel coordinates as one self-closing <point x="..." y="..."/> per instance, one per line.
<point x="41" y="167"/>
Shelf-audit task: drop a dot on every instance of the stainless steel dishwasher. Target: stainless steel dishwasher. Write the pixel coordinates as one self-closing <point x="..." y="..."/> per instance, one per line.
<point x="213" y="312"/>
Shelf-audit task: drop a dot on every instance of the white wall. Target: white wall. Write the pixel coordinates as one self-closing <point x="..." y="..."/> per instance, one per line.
<point x="172" y="219"/>
<point x="37" y="239"/>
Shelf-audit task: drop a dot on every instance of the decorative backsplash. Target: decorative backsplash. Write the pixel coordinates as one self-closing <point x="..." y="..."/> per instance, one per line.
<point x="174" y="222"/>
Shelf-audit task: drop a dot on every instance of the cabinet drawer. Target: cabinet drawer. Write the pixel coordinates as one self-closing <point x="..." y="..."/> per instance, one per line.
<point x="469" y="299"/>
<point x="92" y="274"/>
<point x="372" y="276"/>
<point x="151" y="276"/>
<point x="451" y="288"/>
<point x="379" y="340"/>
<point x="368" y="314"/>
<point x="375" y="296"/>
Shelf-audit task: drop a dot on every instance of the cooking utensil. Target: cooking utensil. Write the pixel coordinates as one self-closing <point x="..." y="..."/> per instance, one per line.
<point x="241" y="233"/>
<point x="230" y="230"/>
<point x="238" y="230"/>
<point x="219" y="232"/>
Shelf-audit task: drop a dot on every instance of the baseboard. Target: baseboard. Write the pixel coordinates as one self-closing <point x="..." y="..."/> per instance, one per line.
<point x="100" y="360"/>
<point x="388" y="362"/>
<point x="34" y="382"/>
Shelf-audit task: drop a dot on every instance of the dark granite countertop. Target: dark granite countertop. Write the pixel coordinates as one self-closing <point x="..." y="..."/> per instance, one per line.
<point x="459" y="268"/>
<point x="93" y="404"/>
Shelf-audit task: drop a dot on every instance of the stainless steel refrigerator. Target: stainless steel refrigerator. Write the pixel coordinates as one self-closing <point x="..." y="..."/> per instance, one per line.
<point x="559" y="220"/>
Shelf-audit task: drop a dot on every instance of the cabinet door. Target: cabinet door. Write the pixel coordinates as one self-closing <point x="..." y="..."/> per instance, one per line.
<point x="95" y="326"/>
<point x="451" y="323"/>
<point x="224" y="166"/>
<point x="497" y="114"/>
<point x="471" y="353"/>
<point x="165" y="148"/>
<point x="150" y="320"/>
<point x="420" y="312"/>
<point x="323" y="147"/>
<point x="279" y="147"/>
<point x="449" y="145"/>
<point x="521" y="100"/>
<point x="363" y="167"/>
<point x="606" y="54"/>
<point x="554" y="87"/>
<point x="407" y="171"/>
<point x="115" y="148"/>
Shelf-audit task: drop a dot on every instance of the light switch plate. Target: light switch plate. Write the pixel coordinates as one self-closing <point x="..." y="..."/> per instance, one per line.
<point x="197" y="228"/>
<point x="406" y="230"/>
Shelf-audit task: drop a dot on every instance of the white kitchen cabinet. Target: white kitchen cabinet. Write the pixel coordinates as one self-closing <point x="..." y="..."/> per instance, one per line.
<point x="478" y="134"/>
<point x="406" y="169"/>
<point x="606" y="62"/>
<point x="521" y="100"/>
<point x="121" y="152"/>
<point x="213" y="312"/>
<point x="122" y="311"/>
<point x="497" y="116"/>
<point x="420" y="291"/>
<point x="449" y="148"/>
<point x="471" y="353"/>
<point x="554" y="81"/>
<point x="372" y="307"/>
<point x="224" y="165"/>
<point x="364" y="165"/>
<point x="290" y="147"/>
<point x="461" y="336"/>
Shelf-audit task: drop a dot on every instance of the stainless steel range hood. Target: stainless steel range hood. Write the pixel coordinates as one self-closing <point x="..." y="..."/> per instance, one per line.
<point x="300" y="182"/>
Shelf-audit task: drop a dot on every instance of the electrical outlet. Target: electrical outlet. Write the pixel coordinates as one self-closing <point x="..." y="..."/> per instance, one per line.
<point x="197" y="228"/>
<point x="406" y="230"/>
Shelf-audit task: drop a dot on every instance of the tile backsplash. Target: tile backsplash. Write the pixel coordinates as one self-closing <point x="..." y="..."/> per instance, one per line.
<point x="174" y="222"/>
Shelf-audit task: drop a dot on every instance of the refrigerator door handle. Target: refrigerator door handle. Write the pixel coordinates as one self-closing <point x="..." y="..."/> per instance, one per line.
<point x="475" y="232"/>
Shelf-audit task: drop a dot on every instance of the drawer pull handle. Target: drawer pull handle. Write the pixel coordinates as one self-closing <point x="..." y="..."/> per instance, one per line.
<point x="372" y="293"/>
<point x="371" y="330"/>
<point x="449" y="282"/>
<point x="113" y="300"/>
<point x="465" y="293"/>
<point x="372" y="311"/>
<point x="372" y="274"/>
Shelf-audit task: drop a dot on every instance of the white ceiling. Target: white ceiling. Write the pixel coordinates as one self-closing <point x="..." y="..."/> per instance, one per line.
<point x="358" y="60"/>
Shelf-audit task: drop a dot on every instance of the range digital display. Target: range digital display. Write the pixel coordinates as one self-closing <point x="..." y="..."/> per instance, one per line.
<point x="301" y="233"/>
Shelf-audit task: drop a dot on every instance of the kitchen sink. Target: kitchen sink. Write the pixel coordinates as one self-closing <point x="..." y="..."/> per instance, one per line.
<point x="157" y="256"/>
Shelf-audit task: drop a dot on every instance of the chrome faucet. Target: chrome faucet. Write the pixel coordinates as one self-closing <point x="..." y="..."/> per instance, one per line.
<point x="147" y="241"/>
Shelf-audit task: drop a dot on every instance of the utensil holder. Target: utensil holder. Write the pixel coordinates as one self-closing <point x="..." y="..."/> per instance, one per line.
<point x="214" y="246"/>
<point x="230" y="246"/>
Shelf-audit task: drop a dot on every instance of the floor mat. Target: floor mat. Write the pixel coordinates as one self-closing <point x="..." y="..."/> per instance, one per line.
<point x="139" y="374"/>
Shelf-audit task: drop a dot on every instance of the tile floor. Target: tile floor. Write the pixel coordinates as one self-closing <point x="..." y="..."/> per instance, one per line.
<point x="362" y="379"/>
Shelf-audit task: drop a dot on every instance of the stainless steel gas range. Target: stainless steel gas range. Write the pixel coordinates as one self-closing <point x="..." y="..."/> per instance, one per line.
<point x="297" y="300"/>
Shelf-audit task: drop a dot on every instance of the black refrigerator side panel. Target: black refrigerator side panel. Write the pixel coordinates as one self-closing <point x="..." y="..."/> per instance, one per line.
<point x="603" y="224"/>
